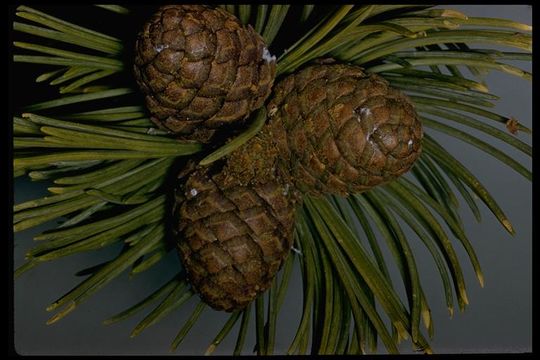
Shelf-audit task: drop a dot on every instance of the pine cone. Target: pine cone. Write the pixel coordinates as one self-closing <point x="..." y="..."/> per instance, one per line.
<point x="232" y="239"/>
<point x="333" y="130"/>
<point x="200" y="69"/>
<point x="341" y="131"/>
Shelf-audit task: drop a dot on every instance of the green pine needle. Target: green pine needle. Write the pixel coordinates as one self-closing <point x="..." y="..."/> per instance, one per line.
<point x="188" y="325"/>
<point x="224" y="332"/>
<point x="115" y="8"/>
<point x="240" y="140"/>
<point x="165" y="289"/>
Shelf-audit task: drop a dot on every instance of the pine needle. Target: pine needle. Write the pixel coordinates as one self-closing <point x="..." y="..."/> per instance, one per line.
<point x="252" y="130"/>
<point x="187" y="326"/>
<point x="115" y="8"/>
<point x="178" y="296"/>
<point x="275" y="20"/>
<point x="99" y="279"/>
<point x="58" y="24"/>
<point x="223" y="333"/>
<point x="243" y="331"/>
<point x="166" y="288"/>
<point x="261" y="18"/>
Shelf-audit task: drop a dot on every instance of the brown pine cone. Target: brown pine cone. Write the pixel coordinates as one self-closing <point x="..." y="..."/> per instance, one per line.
<point x="344" y="131"/>
<point x="232" y="239"/>
<point x="200" y="69"/>
<point x="333" y="130"/>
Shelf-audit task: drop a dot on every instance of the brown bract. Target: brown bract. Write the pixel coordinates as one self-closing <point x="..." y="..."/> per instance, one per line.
<point x="344" y="131"/>
<point x="200" y="69"/>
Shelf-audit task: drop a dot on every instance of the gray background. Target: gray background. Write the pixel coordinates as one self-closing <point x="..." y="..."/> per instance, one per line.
<point x="498" y="319"/>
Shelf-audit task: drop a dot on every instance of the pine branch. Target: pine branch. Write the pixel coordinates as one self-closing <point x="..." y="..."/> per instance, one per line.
<point x="109" y="166"/>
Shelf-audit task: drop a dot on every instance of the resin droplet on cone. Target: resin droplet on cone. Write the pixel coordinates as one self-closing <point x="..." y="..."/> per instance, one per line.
<point x="200" y="69"/>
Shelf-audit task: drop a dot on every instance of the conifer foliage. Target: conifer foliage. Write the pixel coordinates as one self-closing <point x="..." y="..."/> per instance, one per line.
<point x="256" y="139"/>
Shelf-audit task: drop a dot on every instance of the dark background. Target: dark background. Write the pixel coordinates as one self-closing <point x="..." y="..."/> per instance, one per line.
<point x="498" y="319"/>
